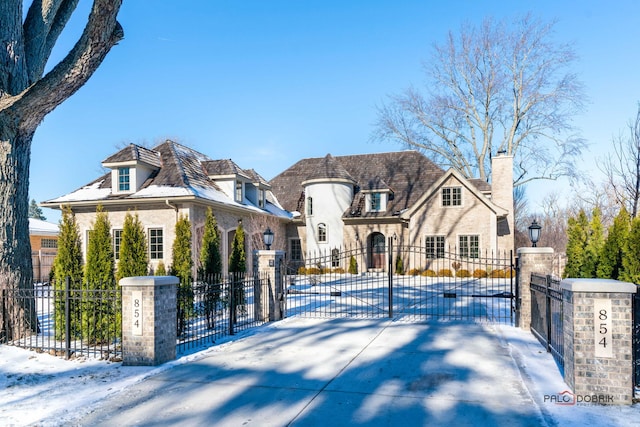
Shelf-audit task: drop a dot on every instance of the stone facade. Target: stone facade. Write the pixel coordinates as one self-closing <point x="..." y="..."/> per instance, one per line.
<point x="598" y="355"/>
<point x="530" y="260"/>
<point x="149" y="311"/>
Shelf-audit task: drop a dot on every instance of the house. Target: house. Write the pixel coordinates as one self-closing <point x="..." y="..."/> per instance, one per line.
<point x="341" y="201"/>
<point x="43" y="236"/>
<point x="169" y="180"/>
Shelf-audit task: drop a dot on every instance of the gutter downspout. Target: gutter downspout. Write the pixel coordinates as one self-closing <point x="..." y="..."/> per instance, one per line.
<point x="173" y="207"/>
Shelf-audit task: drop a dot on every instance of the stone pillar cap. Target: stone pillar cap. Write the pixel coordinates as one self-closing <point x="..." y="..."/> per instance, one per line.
<point x="149" y="281"/>
<point x="598" y="285"/>
<point x="531" y="250"/>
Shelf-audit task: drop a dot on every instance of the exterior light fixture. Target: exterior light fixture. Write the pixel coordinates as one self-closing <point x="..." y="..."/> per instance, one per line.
<point x="534" y="233"/>
<point x="267" y="237"/>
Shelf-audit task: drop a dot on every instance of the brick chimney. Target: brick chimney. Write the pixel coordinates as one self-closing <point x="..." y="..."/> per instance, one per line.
<point x="502" y="195"/>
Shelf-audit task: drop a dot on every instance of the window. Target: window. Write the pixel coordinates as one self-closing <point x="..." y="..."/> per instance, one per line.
<point x="117" y="240"/>
<point x="376" y="202"/>
<point x="261" y="199"/>
<point x="238" y="191"/>
<point x="469" y="246"/>
<point x="322" y="233"/>
<point x="335" y="258"/>
<point x="309" y="206"/>
<point x="155" y="243"/>
<point x="435" y="246"/>
<point x="49" y="243"/>
<point x="123" y="179"/>
<point x="452" y="196"/>
<point x="295" y="249"/>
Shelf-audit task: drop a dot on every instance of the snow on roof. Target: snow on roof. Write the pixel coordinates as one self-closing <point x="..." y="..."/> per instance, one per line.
<point x="42" y="228"/>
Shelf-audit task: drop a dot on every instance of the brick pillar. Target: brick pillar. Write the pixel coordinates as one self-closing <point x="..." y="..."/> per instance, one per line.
<point x="530" y="260"/>
<point x="149" y="316"/>
<point x="598" y="335"/>
<point x="273" y="295"/>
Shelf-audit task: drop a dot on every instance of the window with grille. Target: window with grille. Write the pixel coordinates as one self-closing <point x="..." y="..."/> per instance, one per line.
<point x="123" y="179"/>
<point x="452" y="196"/>
<point x="309" y="206"/>
<point x="335" y="258"/>
<point x="435" y="246"/>
<point x="376" y="202"/>
<point x="117" y="241"/>
<point x="322" y="233"/>
<point x="295" y="249"/>
<point x="155" y="244"/>
<point x="238" y="191"/>
<point x="469" y="246"/>
<point x="49" y="243"/>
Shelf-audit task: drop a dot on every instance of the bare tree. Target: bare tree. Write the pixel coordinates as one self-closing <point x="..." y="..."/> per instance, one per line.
<point x="27" y="95"/>
<point x="490" y="89"/>
<point x="622" y="167"/>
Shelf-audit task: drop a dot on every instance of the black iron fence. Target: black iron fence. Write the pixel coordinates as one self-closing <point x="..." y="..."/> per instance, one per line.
<point x="403" y="282"/>
<point x="64" y="319"/>
<point x="215" y="306"/>
<point x="636" y="342"/>
<point x="547" y="315"/>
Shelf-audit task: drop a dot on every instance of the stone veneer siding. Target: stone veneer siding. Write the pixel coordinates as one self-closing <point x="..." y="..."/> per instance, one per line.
<point x="531" y="260"/>
<point x="157" y="344"/>
<point x="586" y="374"/>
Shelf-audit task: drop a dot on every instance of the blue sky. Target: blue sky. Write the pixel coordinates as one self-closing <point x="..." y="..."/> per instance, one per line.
<point x="269" y="82"/>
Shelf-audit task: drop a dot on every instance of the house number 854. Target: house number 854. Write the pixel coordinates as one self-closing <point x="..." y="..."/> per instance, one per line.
<point x="602" y="322"/>
<point x="136" y="312"/>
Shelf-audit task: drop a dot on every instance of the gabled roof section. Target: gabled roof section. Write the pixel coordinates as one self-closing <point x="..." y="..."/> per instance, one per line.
<point x="468" y="184"/>
<point x="224" y="167"/>
<point x="135" y="153"/>
<point x="182" y="172"/>
<point x="406" y="174"/>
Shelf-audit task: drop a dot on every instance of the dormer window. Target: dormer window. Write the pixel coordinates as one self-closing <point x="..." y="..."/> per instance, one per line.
<point x="124" y="179"/>
<point x="238" y="194"/>
<point x="377" y="202"/>
<point x="261" y="199"/>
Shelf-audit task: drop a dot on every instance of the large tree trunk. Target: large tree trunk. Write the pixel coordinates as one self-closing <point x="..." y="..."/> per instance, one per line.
<point x="17" y="314"/>
<point x="26" y="97"/>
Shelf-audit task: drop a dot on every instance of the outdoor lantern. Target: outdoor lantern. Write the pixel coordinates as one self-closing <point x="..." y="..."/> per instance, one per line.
<point x="534" y="233"/>
<point x="268" y="238"/>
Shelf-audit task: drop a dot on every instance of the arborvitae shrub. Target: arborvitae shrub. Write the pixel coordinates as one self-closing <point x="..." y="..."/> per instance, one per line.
<point x="353" y="265"/>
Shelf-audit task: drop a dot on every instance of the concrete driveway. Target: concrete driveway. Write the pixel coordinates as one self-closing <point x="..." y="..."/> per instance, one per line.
<point x="308" y="372"/>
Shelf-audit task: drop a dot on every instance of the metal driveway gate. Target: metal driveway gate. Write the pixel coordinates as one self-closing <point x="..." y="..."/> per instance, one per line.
<point x="414" y="283"/>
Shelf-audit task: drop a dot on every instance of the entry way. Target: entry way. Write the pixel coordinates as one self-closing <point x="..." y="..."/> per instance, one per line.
<point x="414" y="284"/>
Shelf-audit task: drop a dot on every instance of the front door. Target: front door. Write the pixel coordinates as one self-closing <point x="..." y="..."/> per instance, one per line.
<point x="377" y="251"/>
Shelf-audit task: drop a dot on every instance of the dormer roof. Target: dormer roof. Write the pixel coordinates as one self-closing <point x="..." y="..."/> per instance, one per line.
<point x="134" y="154"/>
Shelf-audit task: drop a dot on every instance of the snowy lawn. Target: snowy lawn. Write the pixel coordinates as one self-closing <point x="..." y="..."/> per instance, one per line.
<point x="44" y="390"/>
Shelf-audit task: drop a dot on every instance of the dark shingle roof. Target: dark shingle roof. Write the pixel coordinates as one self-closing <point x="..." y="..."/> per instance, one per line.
<point x="406" y="174"/>
<point x="135" y="153"/>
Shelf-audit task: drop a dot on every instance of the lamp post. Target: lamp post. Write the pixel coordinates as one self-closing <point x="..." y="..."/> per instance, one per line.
<point x="267" y="237"/>
<point x="534" y="233"/>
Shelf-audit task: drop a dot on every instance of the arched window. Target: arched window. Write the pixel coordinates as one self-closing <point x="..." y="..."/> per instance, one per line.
<point x="335" y="258"/>
<point x="322" y="233"/>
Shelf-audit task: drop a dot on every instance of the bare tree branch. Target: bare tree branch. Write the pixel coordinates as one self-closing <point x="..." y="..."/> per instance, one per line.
<point x="496" y="87"/>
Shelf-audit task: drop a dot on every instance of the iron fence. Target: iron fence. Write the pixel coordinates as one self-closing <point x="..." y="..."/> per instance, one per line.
<point x="403" y="282"/>
<point x="215" y="306"/>
<point x="547" y="315"/>
<point x="65" y="319"/>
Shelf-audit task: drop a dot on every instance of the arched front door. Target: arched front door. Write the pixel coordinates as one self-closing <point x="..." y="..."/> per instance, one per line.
<point x="376" y="250"/>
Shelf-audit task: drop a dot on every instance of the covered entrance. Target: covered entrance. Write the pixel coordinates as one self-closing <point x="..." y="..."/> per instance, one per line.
<point x="377" y="251"/>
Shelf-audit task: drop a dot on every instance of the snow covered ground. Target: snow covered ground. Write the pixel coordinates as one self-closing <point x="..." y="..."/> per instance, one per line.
<point x="39" y="389"/>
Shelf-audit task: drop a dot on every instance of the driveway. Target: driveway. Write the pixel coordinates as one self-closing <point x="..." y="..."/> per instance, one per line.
<point x="307" y="372"/>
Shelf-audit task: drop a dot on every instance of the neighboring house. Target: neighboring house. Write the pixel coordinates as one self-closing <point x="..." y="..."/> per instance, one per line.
<point x="43" y="236"/>
<point x="344" y="201"/>
<point x="169" y="180"/>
